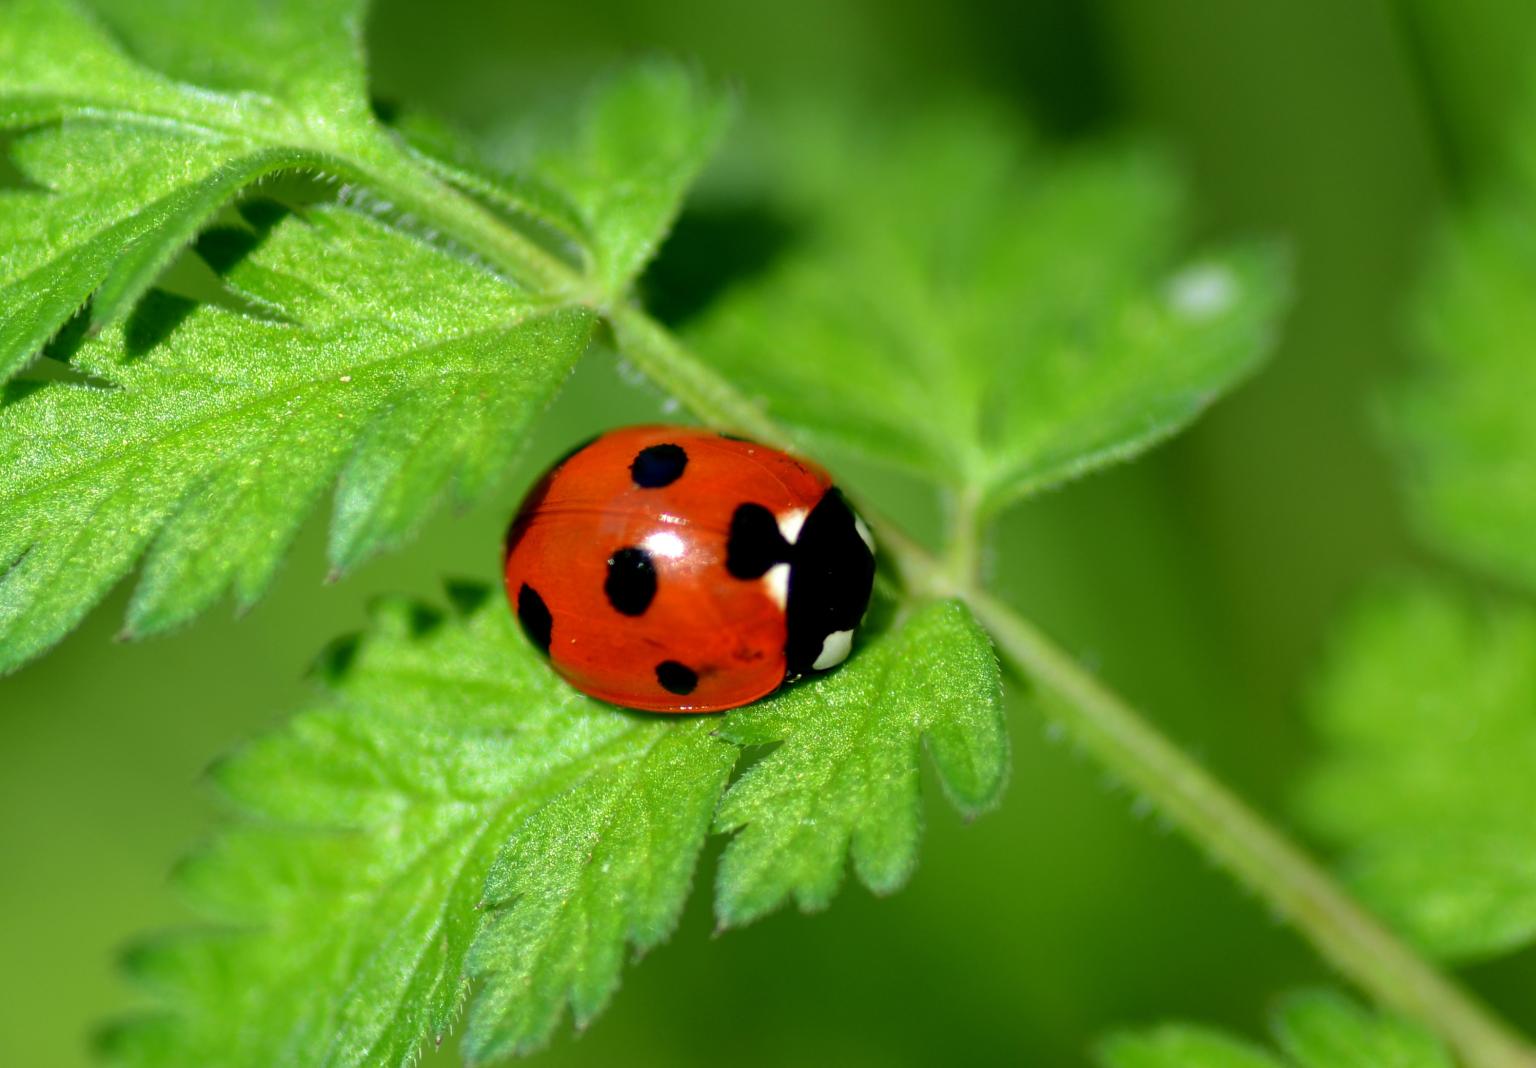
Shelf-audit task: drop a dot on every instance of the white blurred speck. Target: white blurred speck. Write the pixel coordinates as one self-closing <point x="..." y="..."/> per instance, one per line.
<point x="1202" y="292"/>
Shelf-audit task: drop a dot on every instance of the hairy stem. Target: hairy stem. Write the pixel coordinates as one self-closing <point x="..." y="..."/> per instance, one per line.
<point x="962" y="539"/>
<point x="653" y="349"/>
<point x="1255" y="851"/>
<point x="415" y="191"/>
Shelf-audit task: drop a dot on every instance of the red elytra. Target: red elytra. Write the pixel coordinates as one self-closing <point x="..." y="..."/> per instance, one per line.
<point x="673" y="569"/>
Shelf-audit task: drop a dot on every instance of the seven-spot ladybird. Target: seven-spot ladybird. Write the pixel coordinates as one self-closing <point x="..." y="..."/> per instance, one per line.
<point x="675" y="570"/>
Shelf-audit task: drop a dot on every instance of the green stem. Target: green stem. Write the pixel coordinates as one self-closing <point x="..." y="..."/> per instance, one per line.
<point x="414" y="189"/>
<point x="1251" y="848"/>
<point x="653" y="349"/>
<point x="962" y="548"/>
<point x="1262" y="857"/>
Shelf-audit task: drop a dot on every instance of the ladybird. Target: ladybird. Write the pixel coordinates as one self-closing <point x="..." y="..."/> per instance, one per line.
<point x="677" y="570"/>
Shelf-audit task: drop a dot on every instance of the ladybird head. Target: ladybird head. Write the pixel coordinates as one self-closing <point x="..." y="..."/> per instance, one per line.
<point x="831" y="574"/>
<point x="822" y="561"/>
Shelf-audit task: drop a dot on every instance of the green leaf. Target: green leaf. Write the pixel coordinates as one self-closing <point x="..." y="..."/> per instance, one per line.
<point x="520" y="195"/>
<point x="129" y="151"/>
<point x="640" y="143"/>
<point x="307" y="54"/>
<point x="1463" y="421"/>
<point x="404" y="373"/>
<point x="1312" y="1030"/>
<point x="1427" y="710"/>
<point x="844" y="777"/>
<point x="143" y="160"/>
<point x="220" y="430"/>
<point x="356" y="880"/>
<point x="115" y="231"/>
<point x="603" y="186"/>
<point x="991" y="318"/>
<point x="276" y="68"/>
<point x="452" y="815"/>
<point x="606" y="866"/>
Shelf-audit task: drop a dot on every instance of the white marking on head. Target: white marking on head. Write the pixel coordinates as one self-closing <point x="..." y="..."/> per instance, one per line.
<point x="790" y="523"/>
<point x="664" y="543"/>
<point x="869" y="539"/>
<point x="834" y="650"/>
<point x="776" y="579"/>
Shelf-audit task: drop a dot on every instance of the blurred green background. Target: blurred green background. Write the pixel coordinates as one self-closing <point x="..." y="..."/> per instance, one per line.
<point x="1200" y="581"/>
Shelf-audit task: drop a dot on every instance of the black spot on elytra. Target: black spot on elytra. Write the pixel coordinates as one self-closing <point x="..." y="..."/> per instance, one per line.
<point x="534" y="615"/>
<point x="658" y="465"/>
<point x="754" y="544"/>
<point x="676" y="678"/>
<point x="631" y="581"/>
<point x="830" y="580"/>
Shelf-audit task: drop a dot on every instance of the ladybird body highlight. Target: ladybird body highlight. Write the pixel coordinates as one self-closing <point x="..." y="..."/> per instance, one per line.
<point x="673" y="569"/>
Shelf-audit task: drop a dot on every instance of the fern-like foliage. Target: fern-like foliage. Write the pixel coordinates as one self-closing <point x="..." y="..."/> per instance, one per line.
<point x="451" y="810"/>
<point x="843" y="776"/>
<point x="209" y="449"/>
<point x="449" y="817"/>
<point x="992" y="320"/>
<point x="1427" y="711"/>
<point x="343" y="349"/>
<point x="1463" y="421"/>
<point x="1317" y="1029"/>
<point x="128" y="162"/>
<point x="1426" y="706"/>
